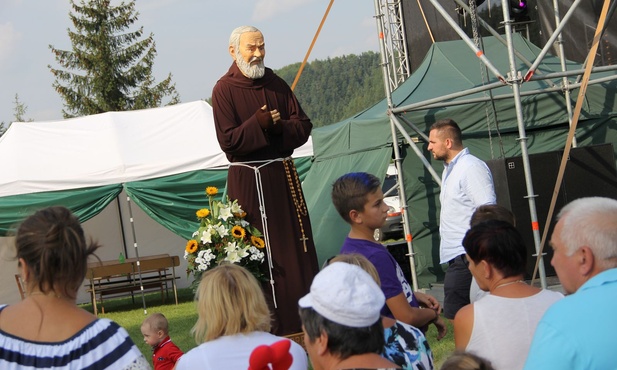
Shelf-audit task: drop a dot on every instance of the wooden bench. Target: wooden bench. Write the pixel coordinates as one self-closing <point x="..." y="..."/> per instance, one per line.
<point x="114" y="278"/>
<point x="157" y="270"/>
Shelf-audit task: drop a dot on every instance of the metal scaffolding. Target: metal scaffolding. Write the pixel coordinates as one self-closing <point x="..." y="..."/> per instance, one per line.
<point x="390" y="26"/>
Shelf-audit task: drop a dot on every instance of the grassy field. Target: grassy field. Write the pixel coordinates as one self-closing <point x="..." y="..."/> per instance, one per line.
<point x="183" y="316"/>
<point x="443" y="348"/>
<point x="130" y="316"/>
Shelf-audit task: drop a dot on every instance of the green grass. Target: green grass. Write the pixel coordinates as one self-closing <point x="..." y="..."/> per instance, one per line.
<point x="183" y="316"/>
<point x="130" y="315"/>
<point x="443" y="348"/>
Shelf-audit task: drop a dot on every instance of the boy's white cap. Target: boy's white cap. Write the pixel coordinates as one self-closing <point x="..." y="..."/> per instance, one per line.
<point x="345" y="294"/>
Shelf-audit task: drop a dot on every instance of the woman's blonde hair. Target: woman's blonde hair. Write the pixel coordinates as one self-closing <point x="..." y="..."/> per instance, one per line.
<point x="229" y="301"/>
<point x="360" y="261"/>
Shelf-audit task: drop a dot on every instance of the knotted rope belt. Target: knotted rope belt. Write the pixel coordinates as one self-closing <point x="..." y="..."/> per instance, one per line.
<point x="293" y="181"/>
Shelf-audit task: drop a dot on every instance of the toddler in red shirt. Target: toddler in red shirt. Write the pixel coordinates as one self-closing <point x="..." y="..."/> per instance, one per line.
<point x="165" y="353"/>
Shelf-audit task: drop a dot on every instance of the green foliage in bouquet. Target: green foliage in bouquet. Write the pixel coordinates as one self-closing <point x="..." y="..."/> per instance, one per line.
<point x="223" y="236"/>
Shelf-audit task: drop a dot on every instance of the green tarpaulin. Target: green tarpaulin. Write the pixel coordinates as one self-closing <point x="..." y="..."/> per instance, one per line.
<point x="170" y="200"/>
<point x="364" y="142"/>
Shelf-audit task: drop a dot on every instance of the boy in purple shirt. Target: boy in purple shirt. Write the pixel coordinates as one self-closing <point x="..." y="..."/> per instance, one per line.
<point x="358" y="198"/>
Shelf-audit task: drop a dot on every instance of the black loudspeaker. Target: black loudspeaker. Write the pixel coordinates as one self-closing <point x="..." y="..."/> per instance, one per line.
<point x="590" y="171"/>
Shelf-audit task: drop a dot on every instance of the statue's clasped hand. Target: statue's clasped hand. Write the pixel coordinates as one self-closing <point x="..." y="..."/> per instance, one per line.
<point x="267" y="119"/>
<point x="276" y="116"/>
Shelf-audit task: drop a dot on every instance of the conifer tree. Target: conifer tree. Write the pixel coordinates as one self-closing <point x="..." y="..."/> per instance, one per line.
<point x="19" y="110"/>
<point x="110" y="67"/>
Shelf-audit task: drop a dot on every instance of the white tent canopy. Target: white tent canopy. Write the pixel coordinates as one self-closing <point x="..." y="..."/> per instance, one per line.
<point x="111" y="148"/>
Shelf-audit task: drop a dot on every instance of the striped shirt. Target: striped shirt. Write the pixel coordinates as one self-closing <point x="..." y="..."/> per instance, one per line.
<point x="102" y="344"/>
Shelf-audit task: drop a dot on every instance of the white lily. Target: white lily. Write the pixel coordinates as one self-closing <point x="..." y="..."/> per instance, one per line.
<point x="235" y="207"/>
<point x="231" y="247"/>
<point x="222" y="230"/>
<point x="225" y="213"/>
<point x="233" y="257"/>
<point x="206" y="237"/>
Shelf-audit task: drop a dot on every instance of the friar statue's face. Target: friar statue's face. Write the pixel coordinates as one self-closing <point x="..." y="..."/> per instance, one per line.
<point x="249" y="54"/>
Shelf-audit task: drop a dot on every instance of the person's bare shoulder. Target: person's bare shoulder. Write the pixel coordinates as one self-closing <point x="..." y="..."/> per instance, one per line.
<point x="463" y="326"/>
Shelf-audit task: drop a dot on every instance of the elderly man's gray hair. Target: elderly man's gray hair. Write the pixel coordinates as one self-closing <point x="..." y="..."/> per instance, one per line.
<point x="234" y="39"/>
<point x="592" y="222"/>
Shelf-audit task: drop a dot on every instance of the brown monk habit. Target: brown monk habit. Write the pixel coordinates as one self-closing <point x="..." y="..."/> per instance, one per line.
<point x="235" y="100"/>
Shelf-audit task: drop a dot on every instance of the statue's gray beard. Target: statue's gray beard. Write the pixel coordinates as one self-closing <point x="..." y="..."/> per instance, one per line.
<point x="252" y="72"/>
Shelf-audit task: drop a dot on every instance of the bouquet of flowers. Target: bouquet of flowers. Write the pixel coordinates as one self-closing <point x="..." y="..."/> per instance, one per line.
<point x="223" y="236"/>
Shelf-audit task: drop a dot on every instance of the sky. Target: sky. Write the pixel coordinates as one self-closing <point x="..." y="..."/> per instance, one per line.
<point x="191" y="41"/>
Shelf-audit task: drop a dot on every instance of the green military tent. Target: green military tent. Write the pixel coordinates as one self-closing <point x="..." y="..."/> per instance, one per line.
<point x="364" y="142"/>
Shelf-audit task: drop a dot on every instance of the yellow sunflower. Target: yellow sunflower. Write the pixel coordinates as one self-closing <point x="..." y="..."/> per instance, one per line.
<point x="191" y="246"/>
<point x="203" y="213"/>
<point x="240" y="215"/>
<point x="238" y="232"/>
<point x="258" y="242"/>
<point x="212" y="190"/>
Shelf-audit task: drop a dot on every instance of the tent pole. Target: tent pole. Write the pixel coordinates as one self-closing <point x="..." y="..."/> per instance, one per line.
<point x="515" y="79"/>
<point x="308" y="52"/>
<point x="492" y="31"/>
<point x="403" y="202"/>
<point x="571" y="86"/>
<point x="414" y="127"/>
<point x="577" y="110"/>
<point x="611" y="11"/>
<point x="437" y="102"/>
<point x="562" y="59"/>
<point x="467" y="40"/>
<point x="141" y="284"/>
<point x="401" y="129"/>
<point x="575" y="72"/>
<point x="551" y="40"/>
<point x="474" y="90"/>
<point x="397" y="155"/>
<point x="122" y="232"/>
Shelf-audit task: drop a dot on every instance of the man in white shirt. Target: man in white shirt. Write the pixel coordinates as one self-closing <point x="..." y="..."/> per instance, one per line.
<point x="466" y="183"/>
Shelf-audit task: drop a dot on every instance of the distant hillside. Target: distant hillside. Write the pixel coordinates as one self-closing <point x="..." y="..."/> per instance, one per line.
<point x="334" y="89"/>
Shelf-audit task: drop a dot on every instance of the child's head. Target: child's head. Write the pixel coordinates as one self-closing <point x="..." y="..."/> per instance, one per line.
<point x="460" y="360"/>
<point x="154" y="328"/>
<point x="360" y="261"/>
<point x="492" y="212"/>
<point x="350" y="192"/>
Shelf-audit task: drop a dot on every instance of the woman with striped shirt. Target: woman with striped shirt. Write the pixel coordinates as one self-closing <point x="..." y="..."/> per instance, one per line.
<point x="47" y="329"/>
